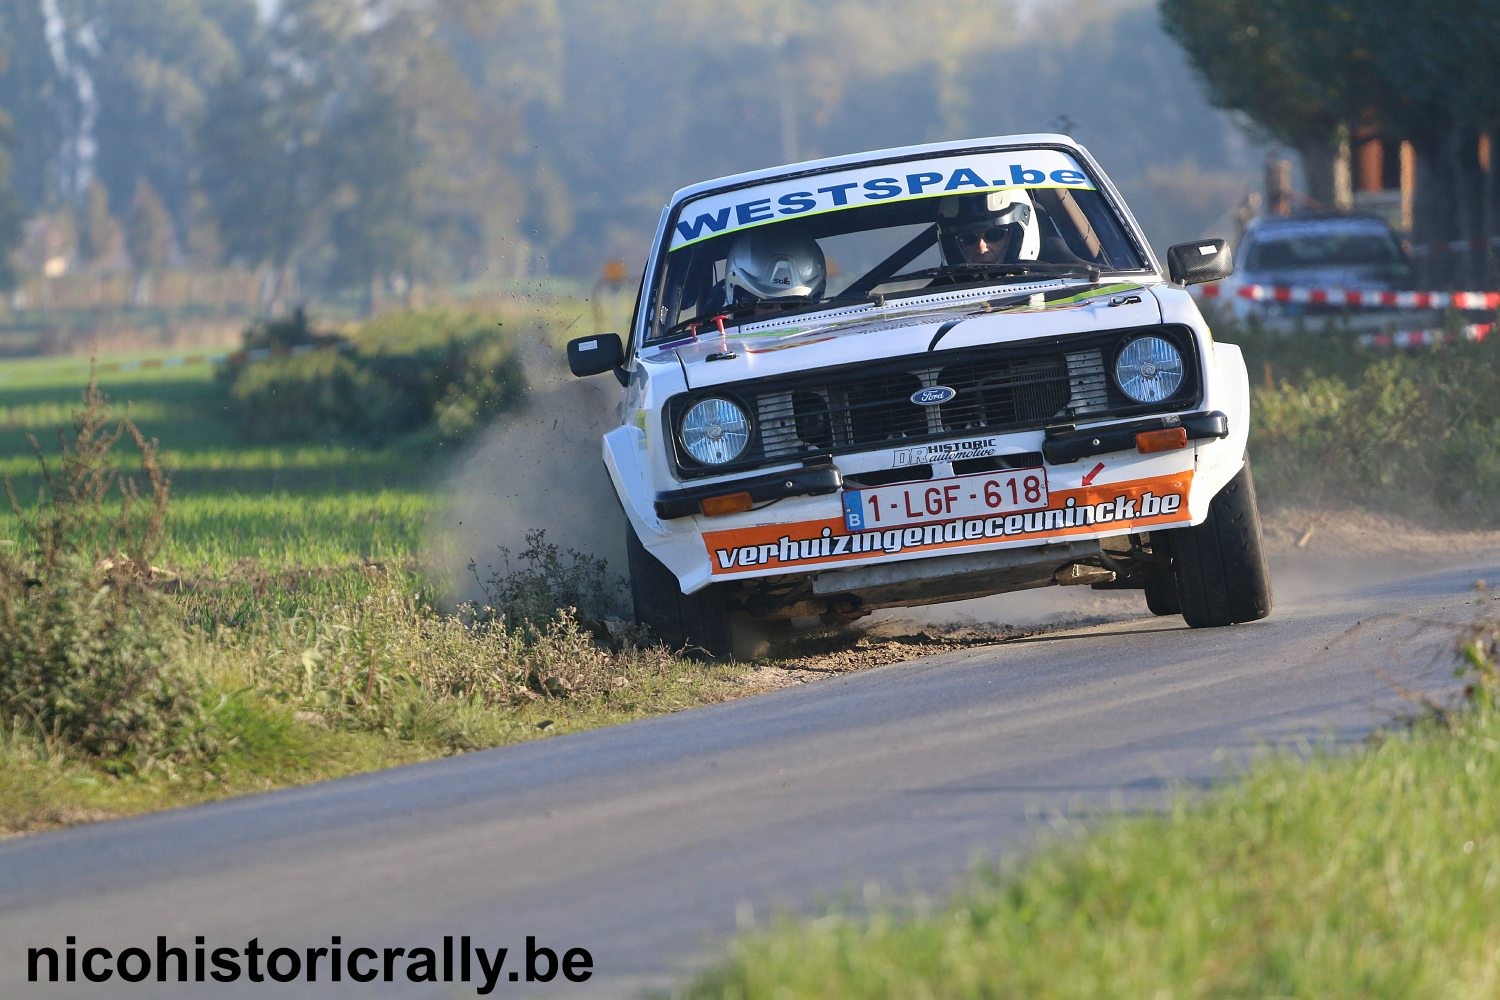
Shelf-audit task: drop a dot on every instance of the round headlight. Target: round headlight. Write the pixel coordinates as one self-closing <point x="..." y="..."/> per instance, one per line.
<point x="715" y="431"/>
<point x="1149" y="369"/>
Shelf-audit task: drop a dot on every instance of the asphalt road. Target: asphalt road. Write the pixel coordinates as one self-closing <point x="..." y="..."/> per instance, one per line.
<point x="646" y="844"/>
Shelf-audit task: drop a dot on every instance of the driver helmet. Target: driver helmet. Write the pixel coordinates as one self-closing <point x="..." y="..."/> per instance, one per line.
<point x="1003" y="222"/>
<point x="774" y="263"/>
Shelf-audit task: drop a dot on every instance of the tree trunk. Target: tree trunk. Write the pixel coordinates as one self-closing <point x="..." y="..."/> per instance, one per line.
<point x="1463" y="169"/>
<point x="1433" y="212"/>
<point x="1487" y="205"/>
<point x="1318" y="156"/>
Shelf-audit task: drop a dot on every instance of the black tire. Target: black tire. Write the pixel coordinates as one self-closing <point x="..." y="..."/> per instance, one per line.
<point x="1220" y="565"/>
<point x="695" y="624"/>
<point x="1161" y="584"/>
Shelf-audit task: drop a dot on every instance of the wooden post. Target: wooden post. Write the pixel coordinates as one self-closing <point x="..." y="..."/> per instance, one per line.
<point x="1278" y="186"/>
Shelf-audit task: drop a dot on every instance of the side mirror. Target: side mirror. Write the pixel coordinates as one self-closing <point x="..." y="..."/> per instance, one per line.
<point x="1195" y="263"/>
<point x="595" y="355"/>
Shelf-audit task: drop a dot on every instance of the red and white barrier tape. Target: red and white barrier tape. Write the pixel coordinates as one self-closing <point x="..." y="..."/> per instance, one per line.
<point x="141" y="364"/>
<point x="1427" y="338"/>
<point x="1357" y="297"/>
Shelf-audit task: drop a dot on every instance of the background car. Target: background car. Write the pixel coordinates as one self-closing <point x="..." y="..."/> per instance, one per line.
<point x="1329" y="251"/>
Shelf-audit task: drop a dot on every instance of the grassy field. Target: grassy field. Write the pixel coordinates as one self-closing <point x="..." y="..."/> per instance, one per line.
<point x="282" y="507"/>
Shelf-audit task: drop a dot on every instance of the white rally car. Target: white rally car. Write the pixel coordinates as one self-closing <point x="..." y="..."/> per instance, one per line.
<point x="921" y="375"/>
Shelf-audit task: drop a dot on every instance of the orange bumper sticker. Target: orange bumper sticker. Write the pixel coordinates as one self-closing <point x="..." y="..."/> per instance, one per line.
<point x="1137" y="505"/>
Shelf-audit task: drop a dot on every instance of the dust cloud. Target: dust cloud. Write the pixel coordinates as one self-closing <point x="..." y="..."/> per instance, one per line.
<point x="536" y="469"/>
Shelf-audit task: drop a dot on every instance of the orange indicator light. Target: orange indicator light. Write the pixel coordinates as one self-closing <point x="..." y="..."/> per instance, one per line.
<point x="1166" y="439"/>
<point x="731" y="503"/>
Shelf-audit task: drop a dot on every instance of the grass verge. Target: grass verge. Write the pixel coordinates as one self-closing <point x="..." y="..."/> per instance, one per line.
<point x="1365" y="875"/>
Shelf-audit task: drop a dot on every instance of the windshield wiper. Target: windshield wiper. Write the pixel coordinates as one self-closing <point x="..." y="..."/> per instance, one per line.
<point x="1015" y="269"/>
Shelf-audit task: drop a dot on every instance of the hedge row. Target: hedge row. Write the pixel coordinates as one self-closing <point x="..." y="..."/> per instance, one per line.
<point x="1414" y="432"/>
<point x="438" y="372"/>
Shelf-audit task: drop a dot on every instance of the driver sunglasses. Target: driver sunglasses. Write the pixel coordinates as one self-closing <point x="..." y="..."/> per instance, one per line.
<point x="995" y="234"/>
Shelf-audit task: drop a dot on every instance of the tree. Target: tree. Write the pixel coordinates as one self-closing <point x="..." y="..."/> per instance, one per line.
<point x="40" y="104"/>
<point x="100" y="238"/>
<point x="371" y="163"/>
<point x="1281" y="63"/>
<point x="150" y="65"/>
<point x="205" y="248"/>
<point x="251" y="165"/>
<point x="1305" y="71"/>
<point x="309" y="153"/>
<point x="10" y="209"/>
<point x="148" y="238"/>
<point x="1437" y="90"/>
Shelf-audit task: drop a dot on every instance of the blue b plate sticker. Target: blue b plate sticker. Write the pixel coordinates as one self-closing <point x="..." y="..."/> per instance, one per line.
<point x="854" y="518"/>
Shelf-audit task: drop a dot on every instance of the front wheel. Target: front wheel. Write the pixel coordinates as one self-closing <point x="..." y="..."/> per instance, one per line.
<point x="1220" y="565"/>
<point x="695" y="623"/>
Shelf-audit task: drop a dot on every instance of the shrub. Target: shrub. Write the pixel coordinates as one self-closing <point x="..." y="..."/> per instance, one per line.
<point x="1409" y="433"/>
<point x="1480" y="662"/>
<point x="546" y="582"/>
<point x="90" y="651"/>
<point x="442" y="373"/>
<point x="314" y="396"/>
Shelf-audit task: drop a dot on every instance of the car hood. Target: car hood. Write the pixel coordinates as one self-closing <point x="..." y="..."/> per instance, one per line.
<point x="871" y="332"/>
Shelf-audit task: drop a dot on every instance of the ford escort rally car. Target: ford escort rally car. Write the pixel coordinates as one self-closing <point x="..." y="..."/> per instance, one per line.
<point x="921" y="375"/>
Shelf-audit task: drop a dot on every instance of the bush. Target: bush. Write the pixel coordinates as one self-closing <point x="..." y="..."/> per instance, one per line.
<point x="547" y="582"/>
<point x="442" y="373"/>
<point x="1406" y="432"/>
<point x="315" y="396"/>
<point x="90" y="651"/>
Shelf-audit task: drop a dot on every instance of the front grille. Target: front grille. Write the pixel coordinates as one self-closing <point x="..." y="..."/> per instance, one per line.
<point x="997" y="389"/>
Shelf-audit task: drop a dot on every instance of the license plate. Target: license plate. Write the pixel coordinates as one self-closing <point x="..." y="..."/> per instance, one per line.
<point x="935" y="500"/>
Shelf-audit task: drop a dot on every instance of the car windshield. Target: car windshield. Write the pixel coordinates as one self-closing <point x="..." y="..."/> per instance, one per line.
<point x="1330" y="249"/>
<point x="892" y="229"/>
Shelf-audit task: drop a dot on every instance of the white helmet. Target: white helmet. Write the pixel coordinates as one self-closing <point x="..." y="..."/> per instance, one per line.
<point x="774" y="262"/>
<point x="966" y="217"/>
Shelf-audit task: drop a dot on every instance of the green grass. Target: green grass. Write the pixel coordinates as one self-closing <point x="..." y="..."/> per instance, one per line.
<point x="265" y="747"/>
<point x="285" y="508"/>
<point x="1376" y="875"/>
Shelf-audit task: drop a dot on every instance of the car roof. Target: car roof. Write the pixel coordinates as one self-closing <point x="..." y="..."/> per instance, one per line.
<point x="893" y="153"/>
<point x="1314" y="224"/>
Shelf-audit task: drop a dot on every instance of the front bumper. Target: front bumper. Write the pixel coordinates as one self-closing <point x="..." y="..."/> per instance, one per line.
<point x="797" y="528"/>
<point x="1068" y="444"/>
<point x="817" y="479"/>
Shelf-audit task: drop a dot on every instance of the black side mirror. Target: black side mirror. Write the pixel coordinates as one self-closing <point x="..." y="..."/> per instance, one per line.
<point x="595" y="355"/>
<point x="1195" y="263"/>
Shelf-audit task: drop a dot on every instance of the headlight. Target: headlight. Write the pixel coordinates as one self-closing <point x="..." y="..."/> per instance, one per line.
<point x="715" y="431"/>
<point x="1149" y="369"/>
